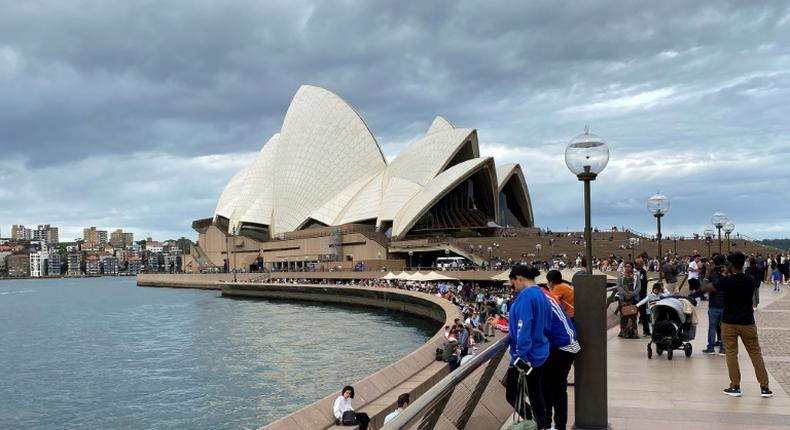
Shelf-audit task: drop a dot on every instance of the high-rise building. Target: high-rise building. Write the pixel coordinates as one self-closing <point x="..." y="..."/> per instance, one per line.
<point x="20" y="233"/>
<point x="46" y="234"/>
<point x="93" y="237"/>
<point x="121" y="239"/>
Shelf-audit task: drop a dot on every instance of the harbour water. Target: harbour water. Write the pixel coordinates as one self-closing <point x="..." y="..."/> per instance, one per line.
<point x="103" y="353"/>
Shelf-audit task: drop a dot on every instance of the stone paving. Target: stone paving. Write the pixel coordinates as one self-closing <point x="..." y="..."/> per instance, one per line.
<point x="657" y="393"/>
<point x="773" y="322"/>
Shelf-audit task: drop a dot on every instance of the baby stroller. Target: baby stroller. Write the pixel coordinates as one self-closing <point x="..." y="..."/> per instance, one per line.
<point x="673" y="328"/>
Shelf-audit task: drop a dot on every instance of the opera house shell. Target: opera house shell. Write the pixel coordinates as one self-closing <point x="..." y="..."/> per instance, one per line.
<point x="324" y="168"/>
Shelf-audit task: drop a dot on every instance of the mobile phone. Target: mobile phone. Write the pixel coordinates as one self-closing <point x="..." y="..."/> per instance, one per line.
<point x="522" y="365"/>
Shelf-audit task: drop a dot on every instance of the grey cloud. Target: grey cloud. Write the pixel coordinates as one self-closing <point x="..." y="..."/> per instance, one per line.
<point x="112" y="81"/>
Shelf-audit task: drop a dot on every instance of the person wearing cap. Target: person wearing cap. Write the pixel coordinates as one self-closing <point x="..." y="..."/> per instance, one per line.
<point x="530" y="325"/>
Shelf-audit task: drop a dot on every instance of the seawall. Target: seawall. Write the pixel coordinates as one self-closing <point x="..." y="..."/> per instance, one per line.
<point x="376" y="394"/>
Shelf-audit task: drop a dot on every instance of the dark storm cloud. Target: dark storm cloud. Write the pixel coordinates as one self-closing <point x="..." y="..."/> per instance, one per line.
<point x="115" y="82"/>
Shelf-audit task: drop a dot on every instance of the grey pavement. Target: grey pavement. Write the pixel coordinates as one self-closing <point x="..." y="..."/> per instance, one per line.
<point x="686" y="392"/>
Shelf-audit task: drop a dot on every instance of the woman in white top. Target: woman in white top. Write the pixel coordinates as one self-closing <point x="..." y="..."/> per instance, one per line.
<point x="343" y="405"/>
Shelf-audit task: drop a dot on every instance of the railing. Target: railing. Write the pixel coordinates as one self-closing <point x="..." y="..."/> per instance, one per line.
<point x="426" y="410"/>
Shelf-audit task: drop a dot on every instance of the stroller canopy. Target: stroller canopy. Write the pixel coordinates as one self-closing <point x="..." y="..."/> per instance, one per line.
<point x="674" y="304"/>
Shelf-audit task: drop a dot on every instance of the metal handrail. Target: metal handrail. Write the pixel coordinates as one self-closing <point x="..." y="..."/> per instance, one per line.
<point x="430" y="402"/>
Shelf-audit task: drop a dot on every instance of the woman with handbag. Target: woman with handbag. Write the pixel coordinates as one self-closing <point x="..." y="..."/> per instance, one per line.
<point x="344" y="412"/>
<point x="626" y="293"/>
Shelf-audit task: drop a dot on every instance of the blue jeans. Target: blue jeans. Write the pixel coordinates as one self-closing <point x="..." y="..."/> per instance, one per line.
<point x="714" y="318"/>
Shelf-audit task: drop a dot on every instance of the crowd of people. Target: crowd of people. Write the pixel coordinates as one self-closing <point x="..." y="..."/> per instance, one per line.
<point x="539" y="321"/>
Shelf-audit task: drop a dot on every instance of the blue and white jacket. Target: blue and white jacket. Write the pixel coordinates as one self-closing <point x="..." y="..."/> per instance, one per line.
<point x="530" y="324"/>
<point x="562" y="334"/>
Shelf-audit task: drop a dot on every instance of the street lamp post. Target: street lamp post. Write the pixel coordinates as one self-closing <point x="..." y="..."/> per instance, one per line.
<point x="586" y="156"/>
<point x="658" y="205"/>
<point x="708" y="233"/>
<point x="538" y="247"/>
<point x="674" y="238"/>
<point x="719" y="220"/>
<point x="411" y="253"/>
<point x="728" y="228"/>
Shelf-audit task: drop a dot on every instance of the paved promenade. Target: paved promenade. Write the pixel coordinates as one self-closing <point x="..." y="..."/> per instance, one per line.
<point x="658" y="393"/>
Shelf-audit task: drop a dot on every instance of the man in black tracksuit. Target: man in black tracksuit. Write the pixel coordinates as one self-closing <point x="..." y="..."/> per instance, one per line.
<point x="644" y="317"/>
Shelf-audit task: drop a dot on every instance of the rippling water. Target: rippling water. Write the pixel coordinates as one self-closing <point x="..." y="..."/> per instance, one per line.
<point x="105" y="354"/>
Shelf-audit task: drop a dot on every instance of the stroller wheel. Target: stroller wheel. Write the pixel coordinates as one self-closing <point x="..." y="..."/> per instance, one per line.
<point x="659" y="350"/>
<point x="649" y="351"/>
<point x="669" y="354"/>
<point x="687" y="349"/>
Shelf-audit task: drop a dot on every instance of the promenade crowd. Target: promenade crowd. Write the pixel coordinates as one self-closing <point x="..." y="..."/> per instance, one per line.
<point x="538" y="319"/>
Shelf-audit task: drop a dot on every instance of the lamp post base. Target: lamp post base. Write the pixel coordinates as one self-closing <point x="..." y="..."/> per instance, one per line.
<point x="590" y="391"/>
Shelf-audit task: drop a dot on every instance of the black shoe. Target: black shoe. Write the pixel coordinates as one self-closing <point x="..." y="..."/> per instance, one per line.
<point x="765" y="392"/>
<point x="734" y="392"/>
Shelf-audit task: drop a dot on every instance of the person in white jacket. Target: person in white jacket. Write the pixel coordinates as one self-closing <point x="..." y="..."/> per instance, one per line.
<point x="343" y="405"/>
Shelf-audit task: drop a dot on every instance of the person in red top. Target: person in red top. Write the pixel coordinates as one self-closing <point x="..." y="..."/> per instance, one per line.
<point x="561" y="290"/>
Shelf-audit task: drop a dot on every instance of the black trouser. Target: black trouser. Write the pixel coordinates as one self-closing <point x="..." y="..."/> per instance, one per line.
<point x="693" y="284"/>
<point x="363" y="420"/>
<point x="537" y="409"/>
<point x="555" y="386"/>
<point x="644" y="318"/>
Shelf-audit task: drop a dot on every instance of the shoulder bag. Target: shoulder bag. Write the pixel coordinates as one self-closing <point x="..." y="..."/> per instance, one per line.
<point x="521" y="399"/>
<point x="629" y="310"/>
<point x="349" y="418"/>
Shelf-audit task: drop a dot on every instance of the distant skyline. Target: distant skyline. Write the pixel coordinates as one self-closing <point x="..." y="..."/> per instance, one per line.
<point x="134" y="116"/>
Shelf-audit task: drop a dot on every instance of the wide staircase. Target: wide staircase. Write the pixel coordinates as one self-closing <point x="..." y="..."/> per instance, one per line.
<point x="532" y="244"/>
<point x="200" y="256"/>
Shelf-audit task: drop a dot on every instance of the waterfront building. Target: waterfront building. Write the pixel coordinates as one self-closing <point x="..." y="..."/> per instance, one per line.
<point x="120" y="239"/>
<point x="54" y="264"/>
<point x="92" y="265"/>
<point x="74" y="262"/>
<point x="18" y="265"/>
<point x="38" y="262"/>
<point x="93" y="237"/>
<point x="4" y="253"/>
<point x="109" y="266"/>
<point x="344" y="204"/>
<point x="133" y="265"/>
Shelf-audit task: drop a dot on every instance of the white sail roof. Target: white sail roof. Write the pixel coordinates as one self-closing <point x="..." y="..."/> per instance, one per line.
<point x="325" y="146"/>
<point x="325" y="165"/>
<point x="435" y="190"/>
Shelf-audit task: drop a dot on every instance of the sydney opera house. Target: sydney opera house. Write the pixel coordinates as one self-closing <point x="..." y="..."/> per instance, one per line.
<point x="320" y="194"/>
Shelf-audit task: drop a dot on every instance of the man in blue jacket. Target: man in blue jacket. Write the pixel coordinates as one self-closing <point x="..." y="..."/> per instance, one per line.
<point x="530" y="325"/>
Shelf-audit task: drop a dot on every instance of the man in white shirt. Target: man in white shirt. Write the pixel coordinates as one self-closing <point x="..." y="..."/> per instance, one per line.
<point x="694" y="272"/>
<point x="403" y="402"/>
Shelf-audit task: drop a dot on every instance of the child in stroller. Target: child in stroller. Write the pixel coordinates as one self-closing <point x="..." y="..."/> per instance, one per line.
<point x="673" y="326"/>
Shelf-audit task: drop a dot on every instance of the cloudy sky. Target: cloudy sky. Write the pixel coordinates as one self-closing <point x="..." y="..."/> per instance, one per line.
<point x="135" y="114"/>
